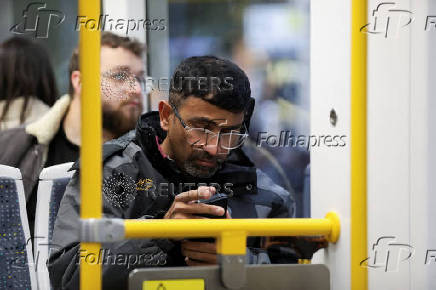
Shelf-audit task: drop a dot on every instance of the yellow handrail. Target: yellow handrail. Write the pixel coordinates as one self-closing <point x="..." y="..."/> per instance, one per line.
<point x="90" y="153"/>
<point x="359" y="275"/>
<point x="214" y="227"/>
<point x="236" y="230"/>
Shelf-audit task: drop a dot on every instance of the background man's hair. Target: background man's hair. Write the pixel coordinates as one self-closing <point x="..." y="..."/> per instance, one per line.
<point x="217" y="81"/>
<point x="111" y="40"/>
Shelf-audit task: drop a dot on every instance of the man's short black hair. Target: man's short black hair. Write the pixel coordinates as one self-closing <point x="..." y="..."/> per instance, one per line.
<point x="217" y="81"/>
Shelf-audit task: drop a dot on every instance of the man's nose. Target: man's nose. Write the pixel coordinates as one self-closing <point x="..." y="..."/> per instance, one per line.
<point x="215" y="149"/>
<point x="211" y="149"/>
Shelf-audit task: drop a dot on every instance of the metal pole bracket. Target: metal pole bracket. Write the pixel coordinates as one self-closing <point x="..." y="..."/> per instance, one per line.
<point x="103" y="230"/>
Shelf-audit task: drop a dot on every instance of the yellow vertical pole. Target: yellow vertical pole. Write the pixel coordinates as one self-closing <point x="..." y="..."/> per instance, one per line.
<point x="359" y="239"/>
<point x="90" y="153"/>
<point x="232" y="243"/>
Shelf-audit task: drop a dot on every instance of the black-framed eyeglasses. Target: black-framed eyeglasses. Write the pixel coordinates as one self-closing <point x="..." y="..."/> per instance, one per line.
<point x="201" y="137"/>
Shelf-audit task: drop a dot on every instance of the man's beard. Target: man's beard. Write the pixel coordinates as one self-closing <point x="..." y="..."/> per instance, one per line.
<point x="115" y="121"/>
<point x="193" y="169"/>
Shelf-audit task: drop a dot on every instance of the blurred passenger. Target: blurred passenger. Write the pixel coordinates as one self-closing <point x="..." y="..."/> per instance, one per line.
<point x="27" y="82"/>
<point x="55" y="137"/>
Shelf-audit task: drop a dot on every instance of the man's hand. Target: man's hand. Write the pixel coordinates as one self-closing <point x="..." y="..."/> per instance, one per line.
<point x="304" y="247"/>
<point x="185" y="207"/>
<point x="199" y="253"/>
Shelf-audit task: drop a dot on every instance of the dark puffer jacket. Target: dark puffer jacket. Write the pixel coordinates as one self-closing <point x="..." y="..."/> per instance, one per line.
<point x="133" y="171"/>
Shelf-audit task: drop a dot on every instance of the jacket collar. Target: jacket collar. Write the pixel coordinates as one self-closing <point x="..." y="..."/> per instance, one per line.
<point x="34" y="109"/>
<point x="46" y="127"/>
<point x="148" y="132"/>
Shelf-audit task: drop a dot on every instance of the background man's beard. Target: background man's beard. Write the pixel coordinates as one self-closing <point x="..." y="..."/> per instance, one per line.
<point x="116" y="123"/>
<point x="192" y="168"/>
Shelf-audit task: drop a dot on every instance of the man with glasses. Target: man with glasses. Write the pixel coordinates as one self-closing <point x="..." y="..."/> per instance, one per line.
<point x="188" y="151"/>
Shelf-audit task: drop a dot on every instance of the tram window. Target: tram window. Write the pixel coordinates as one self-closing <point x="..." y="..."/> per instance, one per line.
<point x="269" y="40"/>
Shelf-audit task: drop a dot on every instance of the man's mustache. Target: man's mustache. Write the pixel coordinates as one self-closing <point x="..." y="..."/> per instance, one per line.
<point x="203" y="155"/>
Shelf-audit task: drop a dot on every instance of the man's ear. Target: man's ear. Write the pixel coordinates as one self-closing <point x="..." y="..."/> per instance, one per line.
<point x="76" y="82"/>
<point x="249" y="112"/>
<point x="165" y="111"/>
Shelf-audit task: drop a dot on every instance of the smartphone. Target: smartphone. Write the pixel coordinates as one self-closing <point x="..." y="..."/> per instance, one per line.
<point x="219" y="199"/>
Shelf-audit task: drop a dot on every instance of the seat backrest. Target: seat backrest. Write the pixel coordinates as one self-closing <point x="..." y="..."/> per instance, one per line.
<point x="52" y="184"/>
<point x="17" y="270"/>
